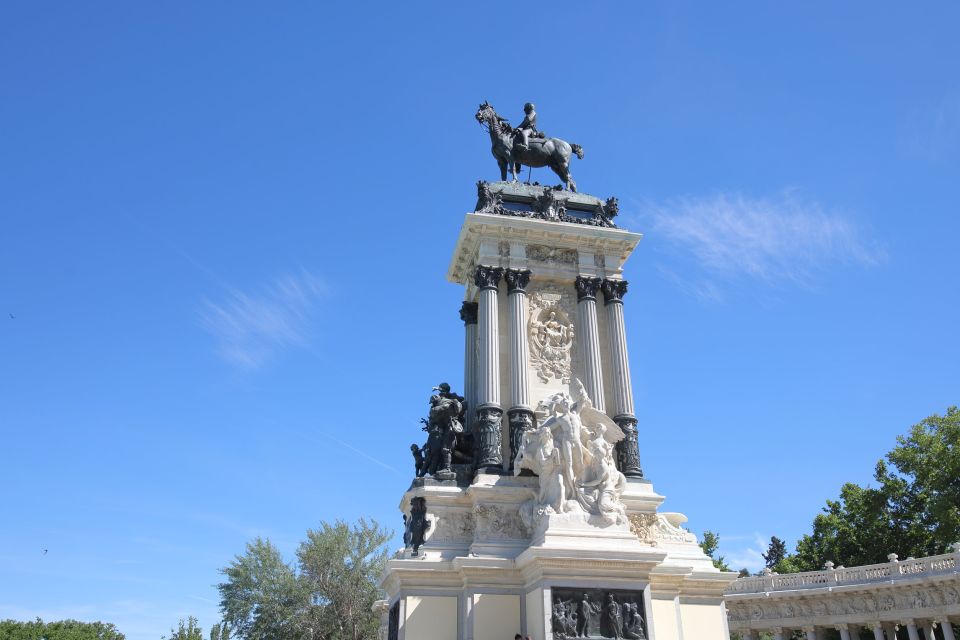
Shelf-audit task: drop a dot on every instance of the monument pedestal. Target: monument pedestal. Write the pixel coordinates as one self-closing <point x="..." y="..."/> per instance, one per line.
<point x="579" y="549"/>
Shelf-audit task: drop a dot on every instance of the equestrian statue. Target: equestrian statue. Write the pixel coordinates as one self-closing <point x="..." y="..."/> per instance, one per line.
<point x="527" y="146"/>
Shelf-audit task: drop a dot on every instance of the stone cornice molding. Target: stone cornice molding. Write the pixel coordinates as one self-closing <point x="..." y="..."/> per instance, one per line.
<point x="587" y="287"/>
<point x="517" y="280"/>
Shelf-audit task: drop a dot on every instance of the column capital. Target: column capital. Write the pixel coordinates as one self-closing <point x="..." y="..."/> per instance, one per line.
<point x="587" y="287"/>
<point x="614" y="290"/>
<point x="468" y="312"/>
<point x="487" y="277"/>
<point x="517" y="280"/>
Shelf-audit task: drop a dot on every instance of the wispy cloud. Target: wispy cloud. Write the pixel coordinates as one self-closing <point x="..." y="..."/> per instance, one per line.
<point x="729" y="236"/>
<point x="744" y="552"/>
<point x="252" y="327"/>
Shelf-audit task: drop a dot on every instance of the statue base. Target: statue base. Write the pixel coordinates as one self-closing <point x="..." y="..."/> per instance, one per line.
<point x="484" y="574"/>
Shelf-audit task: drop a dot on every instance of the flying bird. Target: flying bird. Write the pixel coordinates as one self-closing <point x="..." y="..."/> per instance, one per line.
<point x="44" y="552"/>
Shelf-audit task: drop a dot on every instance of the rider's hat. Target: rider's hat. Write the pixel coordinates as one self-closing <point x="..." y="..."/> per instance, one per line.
<point x="528" y="107"/>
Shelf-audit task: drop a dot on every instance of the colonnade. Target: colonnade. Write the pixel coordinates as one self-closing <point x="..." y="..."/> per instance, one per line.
<point x="482" y="363"/>
<point x="909" y="629"/>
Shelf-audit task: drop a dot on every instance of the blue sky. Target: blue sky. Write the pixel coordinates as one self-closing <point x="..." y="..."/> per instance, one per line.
<point x="224" y="230"/>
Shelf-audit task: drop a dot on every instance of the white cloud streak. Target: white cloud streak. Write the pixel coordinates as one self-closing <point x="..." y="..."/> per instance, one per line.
<point x="744" y="552"/>
<point x="730" y="237"/>
<point x="251" y="328"/>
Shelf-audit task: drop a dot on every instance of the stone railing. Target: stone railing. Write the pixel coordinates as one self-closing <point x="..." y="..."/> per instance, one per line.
<point x="915" y="597"/>
<point x="911" y="567"/>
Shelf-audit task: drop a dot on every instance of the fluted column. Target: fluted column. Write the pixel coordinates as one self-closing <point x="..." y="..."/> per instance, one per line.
<point x="878" y="631"/>
<point x="912" y="632"/>
<point x="892" y="632"/>
<point x="628" y="449"/>
<point x="587" y="288"/>
<point x="844" y="632"/>
<point x="468" y="313"/>
<point x="520" y="414"/>
<point x="928" y="632"/>
<point x="947" y="630"/>
<point x="489" y="413"/>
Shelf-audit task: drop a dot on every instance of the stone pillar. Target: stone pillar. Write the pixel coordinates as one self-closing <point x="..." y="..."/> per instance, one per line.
<point x="928" y="632"/>
<point x="878" y="631"/>
<point x="892" y="631"/>
<point x="589" y="338"/>
<point x="844" y="632"/>
<point x="520" y="414"/>
<point x="912" y="630"/>
<point x="628" y="449"/>
<point x="777" y="633"/>
<point x="468" y="313"/>
<point x="947" y="630"/>
<point x="810" y="633"/>
<point x="486" y="432"/>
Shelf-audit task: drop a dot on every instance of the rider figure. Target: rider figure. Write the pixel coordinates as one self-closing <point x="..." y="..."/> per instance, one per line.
<point x="528" y="126"/>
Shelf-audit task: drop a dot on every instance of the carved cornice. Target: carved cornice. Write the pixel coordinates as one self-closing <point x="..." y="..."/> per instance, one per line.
<point x="517" y="280"/>
<point x="468" y="312"/>
<point x="487" y="277"/>
<point x="587" y="288"/>
<point x="614" y="290"/>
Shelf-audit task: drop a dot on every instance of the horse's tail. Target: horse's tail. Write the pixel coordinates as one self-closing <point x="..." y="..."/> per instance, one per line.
<point x="577" y="149"/>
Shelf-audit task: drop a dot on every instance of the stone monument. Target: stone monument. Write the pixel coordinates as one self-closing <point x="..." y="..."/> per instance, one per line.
<point x="529" y="511"/>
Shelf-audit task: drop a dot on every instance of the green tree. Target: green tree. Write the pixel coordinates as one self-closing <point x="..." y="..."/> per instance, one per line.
<point x="220" y="631"/>
<point x="187" y="630"/>
<point x="914" y="509"/>
<point x="327" y="595"/>
<point x="776" y="553"/>
<point x="60" y="630"/>
<point x="709" y="545"/>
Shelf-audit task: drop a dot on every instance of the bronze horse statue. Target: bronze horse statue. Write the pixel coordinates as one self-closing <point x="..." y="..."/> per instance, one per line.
<point x="540" y="152"/>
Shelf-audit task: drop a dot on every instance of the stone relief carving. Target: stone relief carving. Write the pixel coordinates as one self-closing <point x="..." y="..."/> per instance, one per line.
<point x="454" y="526"/>
<point x="656" y="528"/>
<point x="551" y="334"/>
<point x="597" y="613"/>
<point x="572" y="453"/>
<point x="667" y="531"/>
<point x="643" y="525"/>
<point x="541" y="253"/>
<point x="493" y="522"/>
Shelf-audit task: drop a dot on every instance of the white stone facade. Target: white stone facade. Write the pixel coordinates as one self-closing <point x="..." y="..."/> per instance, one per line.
<point x="487" y="569"/>
<point x="897" y="599"/>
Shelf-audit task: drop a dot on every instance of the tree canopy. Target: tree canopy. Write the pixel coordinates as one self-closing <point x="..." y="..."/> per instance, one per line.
<point x="61" y="630"/>
<point x="326" y="595"/>
<point x="709" y="544"/>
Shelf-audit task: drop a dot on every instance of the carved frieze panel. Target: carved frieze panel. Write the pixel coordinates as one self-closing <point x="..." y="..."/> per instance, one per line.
<point x="551" y="334"/>
<point x="453" y="526"/>
<point x="597" y="613"/>
<point x="542" y="253"/>
<point x="494" y="522"/>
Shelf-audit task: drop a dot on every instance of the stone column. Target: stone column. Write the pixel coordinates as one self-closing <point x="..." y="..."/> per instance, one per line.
<point x="844" y="632"/>
<point x="878" y="631"/>
<point x="628" y="449"/>
<point x="468" y="313"/>
<point x="947" y="630"/>
<point x="928" y="631"/>
<point x="520" y="414"/>
<point x="810" y="633"/>
<point x="912" y="630"/>
<point x="777" y="633"/>
<point x="486" y="432"/>
<point x="892" y="632"/>
<point x="589" y="338"/>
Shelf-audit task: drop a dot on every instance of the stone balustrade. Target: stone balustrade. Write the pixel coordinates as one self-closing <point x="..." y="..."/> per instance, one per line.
<point x="917" y="598"/>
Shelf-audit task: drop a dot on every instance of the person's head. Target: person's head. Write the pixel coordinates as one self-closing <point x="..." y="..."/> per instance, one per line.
<point x="414" y="448"/>
<point x="518" y="637"/>
<point x="444" y="387"/>
<point x="527" y="108"/>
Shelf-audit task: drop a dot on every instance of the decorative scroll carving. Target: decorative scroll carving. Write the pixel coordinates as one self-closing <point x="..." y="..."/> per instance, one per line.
<point x="486" y="433"/>
<point x="468" y="312"/>
<point x="587" y="287"/>
<point x="614" y="290"/>
<point x="494" y="522"/>
<point x="542" y="253"/>
<point x="488" y="277"/>
<point x="643" y="525"/>
<point x="628" y="449"/>
<point x="551" y="335"/>
<point x="517" y="280"/>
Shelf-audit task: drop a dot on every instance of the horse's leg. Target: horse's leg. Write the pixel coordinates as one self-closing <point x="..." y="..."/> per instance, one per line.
<point x="563" y="170"/>
<point x="503" y="169"/>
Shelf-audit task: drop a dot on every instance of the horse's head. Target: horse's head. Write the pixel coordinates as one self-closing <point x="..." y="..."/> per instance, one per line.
<point x="485" y="113"/>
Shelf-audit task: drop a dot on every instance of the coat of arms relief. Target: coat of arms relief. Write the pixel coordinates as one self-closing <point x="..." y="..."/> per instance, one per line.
<point x="551" y="334"/>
